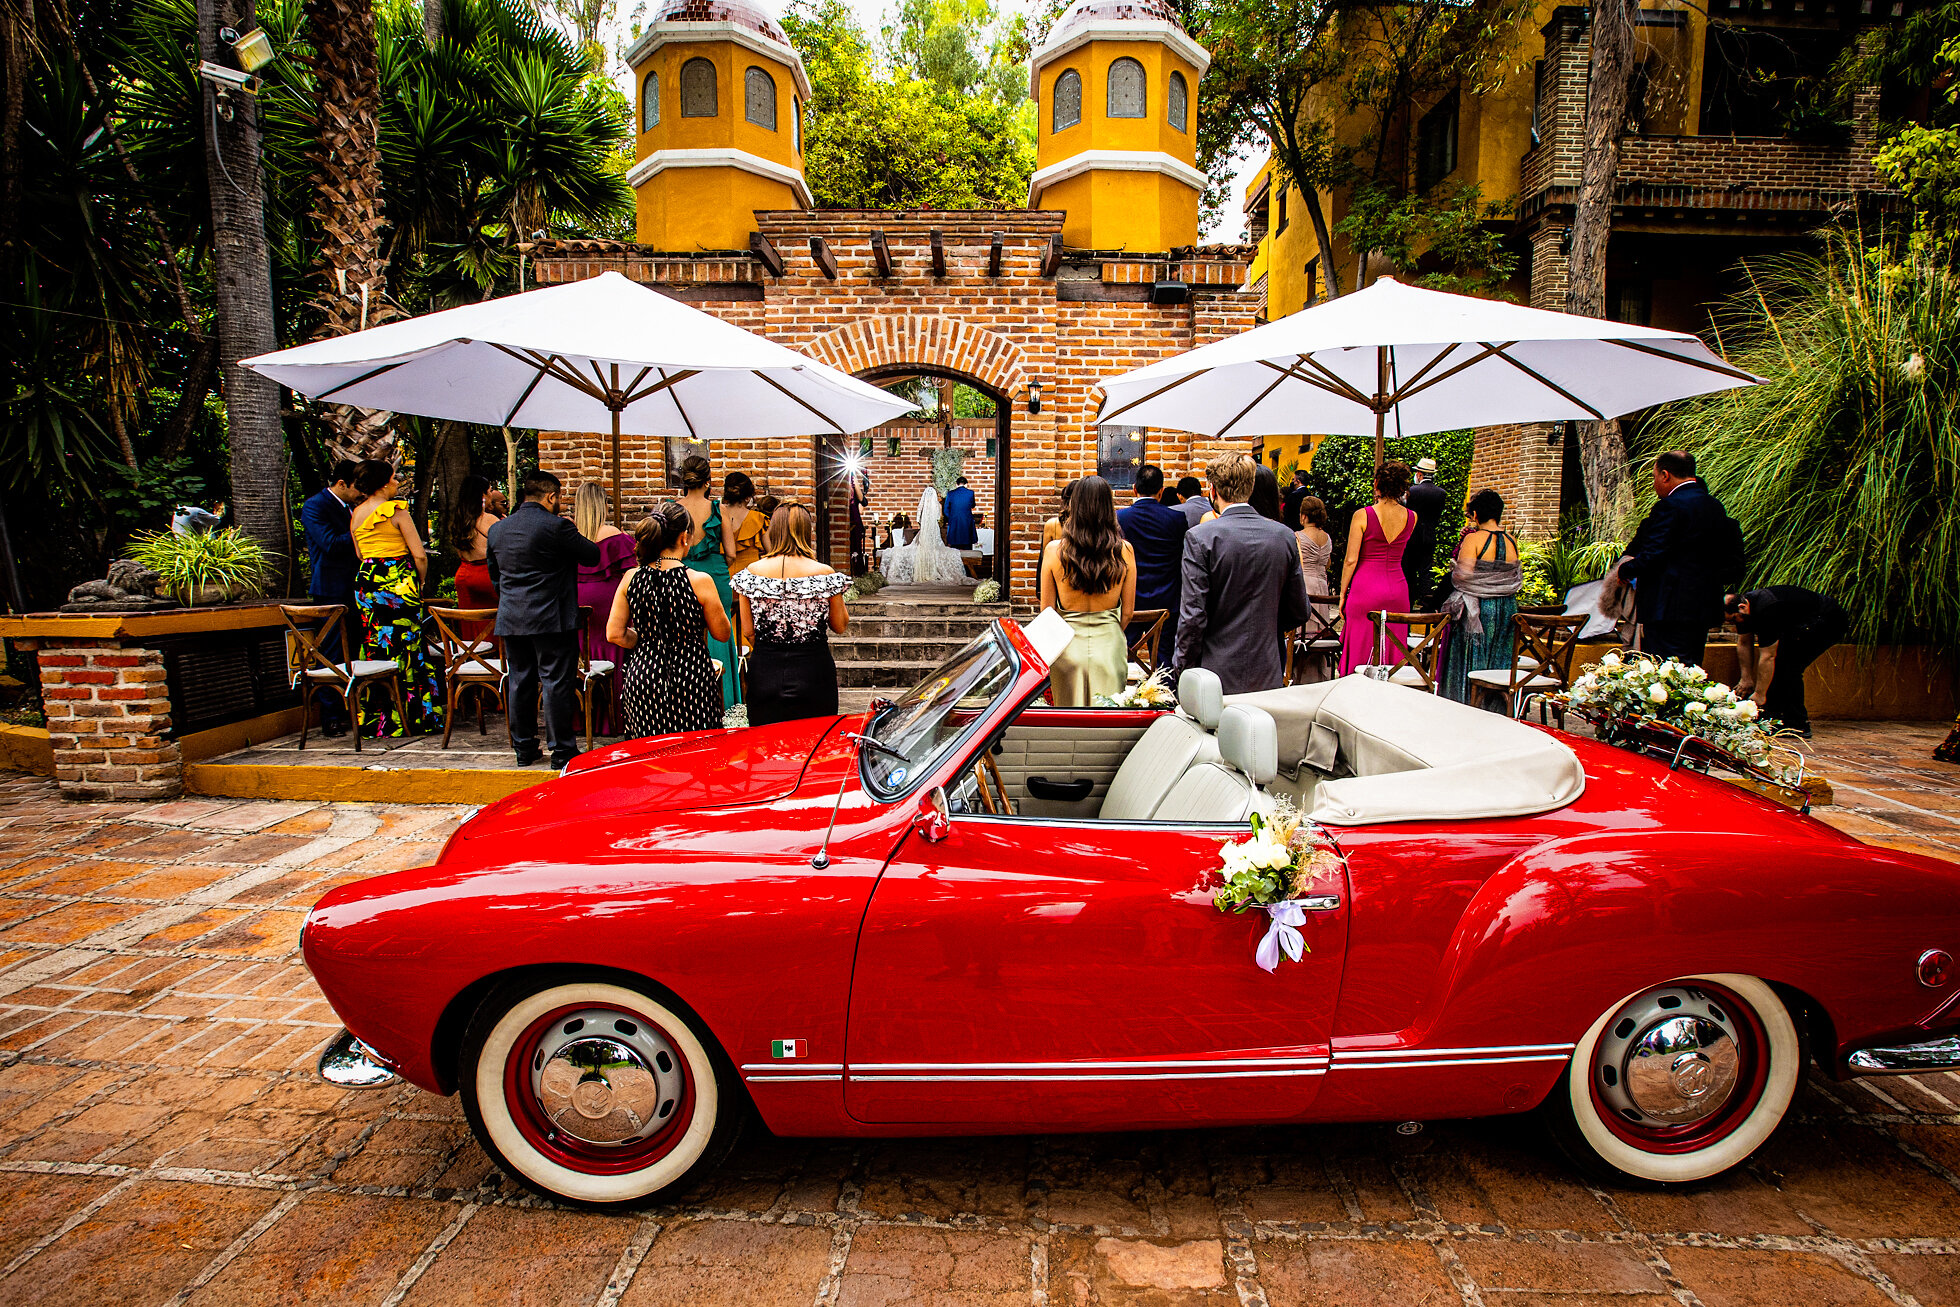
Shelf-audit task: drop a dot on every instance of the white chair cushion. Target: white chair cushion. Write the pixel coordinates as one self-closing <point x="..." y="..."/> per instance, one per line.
<point x="597" y="667"/>
<point x="1171" y="747"/>
<point x="1500" y="679"/>
<point x="1249" y="741"/>
<point x="1408" y="676"/>
<point x="1134" y="673"/>
<point x="482" y="667"/>
<point x="362" y="667"/>
<point x="1200" y="694"/>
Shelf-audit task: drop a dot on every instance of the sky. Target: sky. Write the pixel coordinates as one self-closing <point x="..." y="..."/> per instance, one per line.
<point x="872" y="15"/>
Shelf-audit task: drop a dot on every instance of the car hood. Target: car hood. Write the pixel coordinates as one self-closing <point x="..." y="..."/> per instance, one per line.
<point x="664" y="773"/>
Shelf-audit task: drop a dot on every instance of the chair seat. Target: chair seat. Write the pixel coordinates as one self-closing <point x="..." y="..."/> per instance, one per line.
<point x="1407" y="676"/>
<point x="597" y="667"/>
<point x="481" y="667"/>
<point x="363" y="667"/>
<point x="1134" y="673"/>
<point x="1499" y="679"/>
<point x="1326" y="644"/>
<point x="1529" y="663"/>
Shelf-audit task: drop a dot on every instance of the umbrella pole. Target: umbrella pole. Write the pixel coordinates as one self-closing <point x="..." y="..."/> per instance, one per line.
<point x="1379" y="447"/>
<point x="1381" y="402"/>
<point x="617" y="515"/>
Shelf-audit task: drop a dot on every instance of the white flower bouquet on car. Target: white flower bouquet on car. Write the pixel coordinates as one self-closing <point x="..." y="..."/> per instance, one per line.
<point x="1638" y="700"/>
<point x="1273" y="870"/>
<point x="1154" y="691"/>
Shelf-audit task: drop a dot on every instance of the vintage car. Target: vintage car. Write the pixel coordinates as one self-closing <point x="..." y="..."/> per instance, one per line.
<point x="968" y="912"/>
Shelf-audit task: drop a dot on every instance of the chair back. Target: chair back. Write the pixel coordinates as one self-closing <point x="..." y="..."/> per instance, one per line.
<point x="308" y="626"/>
<point x="584" y="659"/>
<point x="1549" y="638"/>
<point x="459" y="642"/>
<point x="1423" y="651"/>
<point x="1144" y="648"/>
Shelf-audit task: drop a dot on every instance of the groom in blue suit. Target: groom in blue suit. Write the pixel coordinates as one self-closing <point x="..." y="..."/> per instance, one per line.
<point x="960" y="533"/>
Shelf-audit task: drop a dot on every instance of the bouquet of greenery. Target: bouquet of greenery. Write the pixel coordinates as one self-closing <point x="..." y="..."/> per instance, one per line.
<point x="1152" y="692"/>
<point x="1271" y="871"/>
<point x="1621" y="693"/>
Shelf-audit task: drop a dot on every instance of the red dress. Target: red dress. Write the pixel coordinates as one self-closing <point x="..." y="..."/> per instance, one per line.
<point x="596" y="586"/>
<point x="1378" y="585"/>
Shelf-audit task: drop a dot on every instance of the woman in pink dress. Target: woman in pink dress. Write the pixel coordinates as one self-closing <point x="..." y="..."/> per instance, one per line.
<point x="1371" y="575"/>
<point x="596" y="586"/>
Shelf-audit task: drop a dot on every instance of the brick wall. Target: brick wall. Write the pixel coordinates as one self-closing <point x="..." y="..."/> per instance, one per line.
<point x="1000" y="332"/>
<point x="108" y="712"/>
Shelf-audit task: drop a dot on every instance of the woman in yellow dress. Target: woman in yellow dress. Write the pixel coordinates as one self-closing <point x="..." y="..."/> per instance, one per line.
<point x="388" y="592"/>
<point x="746" y="522"/>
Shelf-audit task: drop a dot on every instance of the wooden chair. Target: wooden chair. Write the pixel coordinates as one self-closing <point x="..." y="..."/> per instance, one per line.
<point x="308" y="626"/>
<point x="597" y="669"/>
<point x="1315" y="641"/>
<point x="471" y="660"/>
<point x="1540" y="663"/>
<point x="1143" y="649"/>
<point x="1419" y="663"/>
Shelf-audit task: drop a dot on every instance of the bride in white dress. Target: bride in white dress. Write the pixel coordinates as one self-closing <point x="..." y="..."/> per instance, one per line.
<point x="928" y="560"/>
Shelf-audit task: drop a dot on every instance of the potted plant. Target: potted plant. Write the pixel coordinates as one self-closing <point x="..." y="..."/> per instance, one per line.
<point x="204" y="567"/>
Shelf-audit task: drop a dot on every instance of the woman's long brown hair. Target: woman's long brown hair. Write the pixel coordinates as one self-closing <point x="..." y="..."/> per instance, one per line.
<point x="1092" y="545"/>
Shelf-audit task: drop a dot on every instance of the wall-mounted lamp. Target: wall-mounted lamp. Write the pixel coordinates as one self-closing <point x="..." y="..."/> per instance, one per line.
<point x="1034" y="397"/>
<point x="253" y="48"/>
<point x="1561" y="432"/>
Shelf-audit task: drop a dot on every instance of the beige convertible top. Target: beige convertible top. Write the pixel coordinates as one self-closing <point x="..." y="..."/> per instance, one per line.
<point x="1398" y="754"/>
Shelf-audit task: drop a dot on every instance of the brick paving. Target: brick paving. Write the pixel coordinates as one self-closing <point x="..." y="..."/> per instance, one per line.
<point x="162" y="1139"/>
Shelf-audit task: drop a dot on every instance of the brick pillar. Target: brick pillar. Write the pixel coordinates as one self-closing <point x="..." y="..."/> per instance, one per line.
<point x="108" y="718"/>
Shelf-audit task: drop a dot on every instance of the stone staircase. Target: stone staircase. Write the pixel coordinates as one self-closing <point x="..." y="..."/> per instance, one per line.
<point x="900" y="634"/>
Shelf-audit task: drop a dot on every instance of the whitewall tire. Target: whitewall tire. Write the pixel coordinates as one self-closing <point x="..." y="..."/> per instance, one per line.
<point x="1679" y="1082"/>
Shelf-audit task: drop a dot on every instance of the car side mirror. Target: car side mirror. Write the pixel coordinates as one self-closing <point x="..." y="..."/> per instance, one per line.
<point x="935" y="819"/>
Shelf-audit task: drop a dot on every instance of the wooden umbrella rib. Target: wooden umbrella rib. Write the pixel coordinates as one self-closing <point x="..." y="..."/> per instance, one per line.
<point x="1552" y="385"/>
<point x="658" y="386"/>
<point x="1105" y="418"/>
<point x="1337" y="388"/>
<point x="1278" y="381"/>
<point x="799" y="399"/>
<point x="669" y="383"/>
<point x="1423" y="371"/>
<point x="1720" y="369"/>
<point x="385" y="367"/>
<point x="510" y="418"/>
<point x="1413" y="389"/>
<point x="552" y="364"/>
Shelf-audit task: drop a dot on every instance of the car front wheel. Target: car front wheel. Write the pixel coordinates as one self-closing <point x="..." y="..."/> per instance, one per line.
<point x="1679" y="1082"/>
<point x="594" y="1093"/>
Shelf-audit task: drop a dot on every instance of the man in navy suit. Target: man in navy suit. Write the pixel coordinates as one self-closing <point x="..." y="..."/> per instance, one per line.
<point x="960" y="531"/>
<point x="1156" y="534"/>
<point x="330" y="550"/>
<point x="1677" y="559"/>
<point x="534" y="560"/>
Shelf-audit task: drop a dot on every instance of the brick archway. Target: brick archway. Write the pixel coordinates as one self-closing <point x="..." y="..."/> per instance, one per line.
<point x="897" y="341"/>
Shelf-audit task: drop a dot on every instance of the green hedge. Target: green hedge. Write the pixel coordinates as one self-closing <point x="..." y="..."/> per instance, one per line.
<point x="1343" y="475"/>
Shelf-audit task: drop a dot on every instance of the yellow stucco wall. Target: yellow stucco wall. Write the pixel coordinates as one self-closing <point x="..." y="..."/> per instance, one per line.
<point x="1120" y="210"/>
<point x="711" y="208"/>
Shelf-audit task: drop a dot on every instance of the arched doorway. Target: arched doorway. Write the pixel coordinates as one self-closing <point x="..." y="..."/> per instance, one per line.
<point x="832" y="505"/>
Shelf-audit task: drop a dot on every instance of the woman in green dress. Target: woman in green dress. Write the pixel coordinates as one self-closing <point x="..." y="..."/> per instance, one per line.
<point x="713" y="545"/>
<point x="1485" y="578"/>
<point x="1090" y="576"/>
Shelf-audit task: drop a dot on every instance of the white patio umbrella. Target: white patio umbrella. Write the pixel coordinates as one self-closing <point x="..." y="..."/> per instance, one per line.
<point x="578" y="357"/>
<point x="1423" y="359"/>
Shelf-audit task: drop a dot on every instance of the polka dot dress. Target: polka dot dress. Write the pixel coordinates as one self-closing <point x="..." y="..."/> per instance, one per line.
<point x="670" y="683"/>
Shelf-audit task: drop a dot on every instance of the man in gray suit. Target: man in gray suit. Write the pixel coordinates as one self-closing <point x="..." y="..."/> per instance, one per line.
<point x="1242" y="586"/>
<point x="534" y="560"/>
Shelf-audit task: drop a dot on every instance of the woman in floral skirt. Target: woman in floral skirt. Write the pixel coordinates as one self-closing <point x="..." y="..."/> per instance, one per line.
<point x="388" y="591"/>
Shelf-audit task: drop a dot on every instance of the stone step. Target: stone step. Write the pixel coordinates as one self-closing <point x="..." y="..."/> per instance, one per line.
<point x="883" y="675"/>
<point x="957" y="628"/>
<point x="898" y="648"/>
<point x="873" y="606"/>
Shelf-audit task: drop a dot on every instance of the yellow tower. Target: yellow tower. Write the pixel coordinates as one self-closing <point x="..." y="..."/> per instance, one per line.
<point x="720" y="105"/>
<point x="1116" y="95"/>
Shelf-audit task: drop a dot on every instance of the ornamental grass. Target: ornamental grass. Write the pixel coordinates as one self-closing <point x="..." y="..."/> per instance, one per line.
<point x="1844" y="470"/>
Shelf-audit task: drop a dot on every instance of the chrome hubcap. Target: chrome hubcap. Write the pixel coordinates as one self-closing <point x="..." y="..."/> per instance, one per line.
<point x="1669" y="1058"/>
<point x="605" y="1077"/>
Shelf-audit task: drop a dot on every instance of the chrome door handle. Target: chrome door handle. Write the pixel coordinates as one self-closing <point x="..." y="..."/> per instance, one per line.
<point x="1320" y="902"/>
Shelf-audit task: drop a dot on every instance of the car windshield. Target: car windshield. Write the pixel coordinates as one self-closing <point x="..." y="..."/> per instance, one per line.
<point x="919" y="729"/>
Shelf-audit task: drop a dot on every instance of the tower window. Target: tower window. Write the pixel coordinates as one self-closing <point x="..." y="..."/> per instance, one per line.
<point x="1436" y="144"/>
<point x="1126" y="99"/>
<point x="1068" y="100"/>
<point x="796" y="124"/>
<point x="759" y="98"/>
<point x="650" y="103"/>
<point x="697" y="89"/>
<point x="1180" y="103"/>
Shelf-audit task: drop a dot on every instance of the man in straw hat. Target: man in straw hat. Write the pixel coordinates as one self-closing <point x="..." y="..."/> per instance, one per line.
<point x="1427" y="501"/>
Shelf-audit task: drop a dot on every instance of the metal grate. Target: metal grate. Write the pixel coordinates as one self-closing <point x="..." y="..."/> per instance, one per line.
<point x="220" y="677"/>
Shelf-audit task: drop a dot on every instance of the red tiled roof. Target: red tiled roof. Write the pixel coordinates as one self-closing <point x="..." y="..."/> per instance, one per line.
<point x="721" y="11"/>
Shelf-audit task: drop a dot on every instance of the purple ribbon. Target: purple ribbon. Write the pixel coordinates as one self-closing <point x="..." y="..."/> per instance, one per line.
<point x="1283" y="935"/>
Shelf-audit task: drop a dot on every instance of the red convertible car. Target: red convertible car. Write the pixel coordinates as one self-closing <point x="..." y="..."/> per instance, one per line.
<point x="968" y="912"/>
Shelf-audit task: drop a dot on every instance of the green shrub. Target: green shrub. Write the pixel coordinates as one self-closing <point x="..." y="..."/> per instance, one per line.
<point x="226" y="559"/>
<point x="987" y="592"/>
<point x="1343" y="476"/>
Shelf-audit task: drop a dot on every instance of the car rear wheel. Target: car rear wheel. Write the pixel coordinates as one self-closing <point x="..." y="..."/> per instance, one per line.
<point x="594" y="1093"/>
<point x="1679" y="1082"/>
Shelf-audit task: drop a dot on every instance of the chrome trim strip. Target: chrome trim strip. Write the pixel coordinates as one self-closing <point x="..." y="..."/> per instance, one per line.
<point x="786" y="1080"/>
<point x="1373" y="1054"/>
<point x="1104" y="1079"/>
<point x="1907" y="1059"/>
<point x="1194" y="1063"/>
<point x="1447" y="1061"/>
<point x="788" y="1064"/>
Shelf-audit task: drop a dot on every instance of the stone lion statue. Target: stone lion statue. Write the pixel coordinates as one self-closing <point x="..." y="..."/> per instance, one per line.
<point x="129" y="588"/>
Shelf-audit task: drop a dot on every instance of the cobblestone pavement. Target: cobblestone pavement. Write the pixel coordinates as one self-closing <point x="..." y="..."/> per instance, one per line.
<point x="163" y="1141"/>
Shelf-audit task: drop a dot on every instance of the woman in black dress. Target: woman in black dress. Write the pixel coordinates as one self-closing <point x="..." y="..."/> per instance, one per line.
<point x="786" y="601"/>
<point x="663" y="614"/>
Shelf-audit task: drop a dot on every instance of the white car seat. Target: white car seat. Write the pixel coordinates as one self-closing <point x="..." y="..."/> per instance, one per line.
<point x="1229" y="789"/>
<point x="1171" y="747"/>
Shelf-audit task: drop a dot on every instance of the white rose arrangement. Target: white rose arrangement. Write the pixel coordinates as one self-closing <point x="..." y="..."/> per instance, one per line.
<point x="1622" y="692"/>
<point x="1152" y="692"/>
<point x="1278" y="864"/>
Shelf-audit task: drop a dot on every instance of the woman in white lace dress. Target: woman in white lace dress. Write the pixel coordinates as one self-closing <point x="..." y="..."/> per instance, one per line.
<point x="788" y="603"/>
<point x="928" y="560"/>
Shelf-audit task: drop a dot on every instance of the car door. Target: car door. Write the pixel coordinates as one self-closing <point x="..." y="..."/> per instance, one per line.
<point x="1055" y="973"/>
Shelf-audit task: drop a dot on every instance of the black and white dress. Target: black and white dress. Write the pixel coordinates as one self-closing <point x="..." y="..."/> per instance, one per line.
<point x="791" y="671"/>
<point x="671" y="684"/>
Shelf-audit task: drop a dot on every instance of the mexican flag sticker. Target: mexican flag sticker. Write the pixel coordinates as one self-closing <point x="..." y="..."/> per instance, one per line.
<point x="789" y="1048"/>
